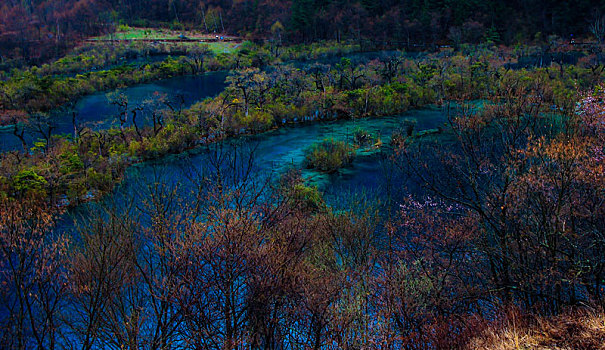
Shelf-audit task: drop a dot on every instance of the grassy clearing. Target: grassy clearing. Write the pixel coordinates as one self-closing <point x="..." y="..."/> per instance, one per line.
<point x="223" y="47"/>
<point x="136" y="33"/>
<point x="215" y="47"/>
<point x="132" y="33"/>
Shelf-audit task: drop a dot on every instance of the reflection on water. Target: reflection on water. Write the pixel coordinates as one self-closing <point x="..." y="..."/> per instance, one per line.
<point x="277" y="151"/>
<point x="96" y="112"/>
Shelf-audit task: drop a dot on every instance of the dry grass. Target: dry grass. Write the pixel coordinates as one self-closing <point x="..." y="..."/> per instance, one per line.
<point x="578" y="330"/>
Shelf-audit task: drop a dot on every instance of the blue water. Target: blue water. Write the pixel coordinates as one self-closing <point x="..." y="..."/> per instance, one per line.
<point x="96" y="112"/>
<point x="277" y="151"/>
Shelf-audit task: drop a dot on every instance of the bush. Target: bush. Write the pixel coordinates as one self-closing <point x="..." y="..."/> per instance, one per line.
<point x="29" y="181"/>
<point x="304" y="197"/>
<point x="256" y="120"/>
<point x="70" y="162"/>
<point x="401" y="134"/>
<point x="308" y="197"/>
<point x="329" y="155"/>
<point x="362" y="137"/>
<point x="408" y="126"/>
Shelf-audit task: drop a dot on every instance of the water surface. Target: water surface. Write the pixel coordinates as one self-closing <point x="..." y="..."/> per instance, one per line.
<point x="279" y="150"/>
<point x="276" y="152"/>
<point x="97" y="112"/>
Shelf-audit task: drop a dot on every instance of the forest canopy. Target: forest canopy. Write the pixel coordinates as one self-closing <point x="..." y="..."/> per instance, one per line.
<point x="29" y="28"/>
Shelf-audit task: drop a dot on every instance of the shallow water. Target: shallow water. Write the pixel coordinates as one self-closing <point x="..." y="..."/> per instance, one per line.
<point x="96" y="112"/>
<point x="276" y="152"/>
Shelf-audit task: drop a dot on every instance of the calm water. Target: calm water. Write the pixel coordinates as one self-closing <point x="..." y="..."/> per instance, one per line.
<point x="96" y="112"/>
<point x="274" y="153"/>
<point x="277" y="151"/>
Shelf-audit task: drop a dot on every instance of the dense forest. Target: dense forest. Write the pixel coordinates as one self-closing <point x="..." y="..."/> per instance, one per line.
<point x="39" y="29"/>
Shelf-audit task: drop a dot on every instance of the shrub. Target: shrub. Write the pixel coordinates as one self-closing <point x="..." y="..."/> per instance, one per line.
<point x="70" y="162"/>
<point x="408" y="126"/>
<point x="573" y="329"/>
<point x="123" y="28"/>
<point x="29" y="181"/>
<point x="256" y="120"/>
<point x="329" y="155"/>
<point x="305" y="197"/>
<point x="308" y="197"/>
<point x="362" y="137"/>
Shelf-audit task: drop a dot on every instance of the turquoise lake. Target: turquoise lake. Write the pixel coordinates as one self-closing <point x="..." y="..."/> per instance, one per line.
<point x="277" y="151"/>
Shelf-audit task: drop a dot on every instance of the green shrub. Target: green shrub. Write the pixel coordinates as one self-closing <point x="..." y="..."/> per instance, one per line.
<point x="329" y="155"/>
<point x="29" y="181"/>
<point x="71" y="162"/>
<point x="102" y="181"/>
<point x="308" y="197"/>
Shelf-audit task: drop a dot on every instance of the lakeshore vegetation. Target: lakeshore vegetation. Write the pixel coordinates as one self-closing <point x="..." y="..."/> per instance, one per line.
<point x="483" y="231"/>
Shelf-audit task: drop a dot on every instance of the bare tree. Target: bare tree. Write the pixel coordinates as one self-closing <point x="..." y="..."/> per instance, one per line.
<point x="32" y="281"/>
<point x="104" y="282"/>
<point x="43" y="125"/>
<point x="597" y="26"/>
<point x="196" y="57"/>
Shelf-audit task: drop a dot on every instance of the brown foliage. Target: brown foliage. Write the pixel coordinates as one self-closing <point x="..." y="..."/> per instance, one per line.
<point x="32" y="277"/>
<point x="573" y="330"/>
